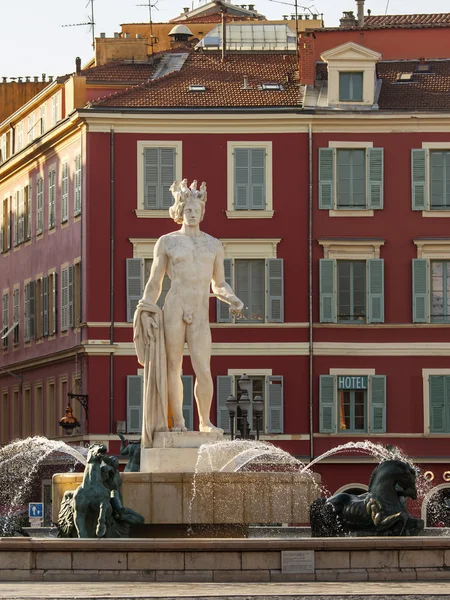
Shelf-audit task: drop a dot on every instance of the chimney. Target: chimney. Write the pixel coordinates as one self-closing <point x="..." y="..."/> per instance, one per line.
<point x="78" y="65"/>
<point x="348" y="19"/>
<point x="360" y="4"/>
<point x="186" y="9"/>
<point x="246" y="86"/>
<point x="307" y="59"/>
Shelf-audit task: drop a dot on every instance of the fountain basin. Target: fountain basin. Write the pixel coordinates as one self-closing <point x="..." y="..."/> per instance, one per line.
<point x="209" y="498"/>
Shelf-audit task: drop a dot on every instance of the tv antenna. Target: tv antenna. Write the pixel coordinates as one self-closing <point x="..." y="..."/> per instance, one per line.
<point x="149" y="5"/>
<point x="91" y="23"/>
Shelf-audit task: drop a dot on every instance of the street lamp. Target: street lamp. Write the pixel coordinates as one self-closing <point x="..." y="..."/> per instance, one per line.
<point x="258" y="406"/>
<point x="69" y="422"/>
<point x="231" y="406"/>
<point x="244" y="404"/>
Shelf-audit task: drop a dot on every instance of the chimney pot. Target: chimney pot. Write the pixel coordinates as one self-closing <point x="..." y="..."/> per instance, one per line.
<point x="186" y="9"/>
<point x="78" y="65"/>
<point x="4" y="79"/>
<point x="360" y="5"/>
<point x="50" y="77"/>
<point x="103" y="34"/>
<point x="43" y="76"/>
<point x="36" y="78"/>
<point x="116" y="34"/>
<point x="27" y="78"/>
<point x="19" y="79"/>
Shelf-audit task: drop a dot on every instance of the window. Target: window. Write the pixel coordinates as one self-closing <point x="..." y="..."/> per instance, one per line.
<point x="5" y="230"/>
<point x="351" y="284"/>
<point x="3" y="148"/>
<point x="39" y="205"/>
<point x="259" y="284"/>
<point x="77" y="184"/>
<point x="30" y="132"/>
<point x="350" y="87"/>
<point x="51" y="198"/>
<point x="138" y="273"/>
<point x="159" y="172"/>
<point x="350" y="178"/>
<point x="43" y="118"/>
<point x="439" y="411"/>
<point x="76" y="294"/>
<point x="19" y="136"/>
<point x="16" y="294"/>
<point x="352" y="403"/>
<point x="431" y="179"/>
<point x="352" y="291"/>
<point x="39" y="308"/>
<point x="29" y="310"/>
<point x="134" y="402"/>
<point x="66" y="298"/>
<point x="65" y="192"/>
<point x="5" y="320"/>
<point x="431" y="291"/>
<point x="249" y="180"/>
<point x="269" y="387"/>
<point x="55" y="109"/>
<point x="27" y="190"/>
<point x="19" y="216"/>
<point x="51" y="303"/>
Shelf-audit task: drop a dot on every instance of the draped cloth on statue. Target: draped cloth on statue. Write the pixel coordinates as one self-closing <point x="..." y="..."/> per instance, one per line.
<point x="153" y="358"/>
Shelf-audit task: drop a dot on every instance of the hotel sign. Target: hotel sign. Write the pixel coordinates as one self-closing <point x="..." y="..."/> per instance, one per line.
<point x="352" y="382"/>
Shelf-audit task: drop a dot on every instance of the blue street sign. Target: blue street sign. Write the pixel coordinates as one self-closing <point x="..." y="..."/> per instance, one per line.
<point x="35" y="510"/>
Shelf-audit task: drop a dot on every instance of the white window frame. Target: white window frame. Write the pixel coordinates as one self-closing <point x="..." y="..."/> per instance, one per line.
<point x="177" y="145"/>
<point x="3" y="147"/>
<point x="236" y="373"/>
<point x="50" y="226"/>
<point x="64" y="196"/>
<point x="43" y="118"/>
<point x="77" y="179"/>
<point x="433" y="146"/>
<point x="432" y="250"/>
<point x="249" y="214"/>
<point x="31" y="124"/>
<point x="349" y="212"/>
<point x="19" y="136"/>
<point x="56" y="108"/>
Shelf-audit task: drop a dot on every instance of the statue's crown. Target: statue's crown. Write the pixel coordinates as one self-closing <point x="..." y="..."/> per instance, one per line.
<point x="181" y="192"/>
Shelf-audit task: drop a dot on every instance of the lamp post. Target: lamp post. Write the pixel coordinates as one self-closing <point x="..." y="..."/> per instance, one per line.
<point x="258" y="406"/>
<point x="69" y="422"/>
<point x="244" y="405"/>
<point x="231" y="406"/>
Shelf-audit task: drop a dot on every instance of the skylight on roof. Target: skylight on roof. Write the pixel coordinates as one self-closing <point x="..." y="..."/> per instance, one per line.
<point x="272" y="86"/>
<point x="422" y="68"/>
<point x="197" y="88"/>
<point x="404" y="76"/>
<point x="251" y="36"/>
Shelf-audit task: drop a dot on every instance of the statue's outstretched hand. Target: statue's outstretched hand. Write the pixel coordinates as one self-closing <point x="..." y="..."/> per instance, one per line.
<point x="236" y="307"/>
<point x="149" y="326"/>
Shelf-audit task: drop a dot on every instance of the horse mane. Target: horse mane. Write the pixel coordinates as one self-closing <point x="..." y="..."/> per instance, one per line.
<point x="392" y="462"/>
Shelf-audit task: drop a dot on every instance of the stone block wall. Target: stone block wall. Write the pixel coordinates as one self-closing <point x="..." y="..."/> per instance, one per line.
<point x="225" y="560"/>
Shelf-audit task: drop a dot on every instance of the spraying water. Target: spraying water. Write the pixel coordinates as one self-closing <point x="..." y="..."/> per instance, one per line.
<point x="19" y="464"/>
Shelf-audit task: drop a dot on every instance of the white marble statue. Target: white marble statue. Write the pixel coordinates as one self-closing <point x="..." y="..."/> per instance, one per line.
<point x="194" y="262"/>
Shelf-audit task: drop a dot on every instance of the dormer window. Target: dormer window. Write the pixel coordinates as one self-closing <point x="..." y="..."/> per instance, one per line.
<point x="350" y="87"/>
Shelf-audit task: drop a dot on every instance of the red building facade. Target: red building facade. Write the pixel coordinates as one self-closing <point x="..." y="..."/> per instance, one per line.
<point x="332" y="206"/>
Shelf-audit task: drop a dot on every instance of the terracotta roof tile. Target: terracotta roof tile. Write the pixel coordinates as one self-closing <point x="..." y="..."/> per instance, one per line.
<point x="223" y="83"/>
<point x="120" y="72"/>
<point x="425" y="91"/>
<point x="431" y="19"/>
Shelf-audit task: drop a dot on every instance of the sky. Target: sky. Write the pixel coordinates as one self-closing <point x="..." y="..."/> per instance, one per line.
<point x="34" y="41"/>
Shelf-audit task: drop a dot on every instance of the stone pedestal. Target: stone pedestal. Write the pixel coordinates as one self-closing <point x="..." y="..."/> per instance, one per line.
<point x="175" y="452"/>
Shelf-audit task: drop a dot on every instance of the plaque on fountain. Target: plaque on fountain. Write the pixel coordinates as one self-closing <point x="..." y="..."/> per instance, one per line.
<point x="301" y="561"/>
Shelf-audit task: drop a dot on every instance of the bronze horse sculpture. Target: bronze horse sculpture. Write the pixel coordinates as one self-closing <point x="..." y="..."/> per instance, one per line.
<point x="95" y="508"/>
<point x="380" y="511"/>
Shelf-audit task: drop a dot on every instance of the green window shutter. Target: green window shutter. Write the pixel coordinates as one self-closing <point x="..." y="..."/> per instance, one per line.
<point x="375" y="279"/>
<point x="223" y="314"/>
<point x="224" y="389"/>
<point x="29" y="211"/>
<point x="65" y="192"/>
<point x="438" y="392"/>
<point x="327" y="291"/>
<point x="275" y="403"/>
<point x="70" y="315"/>
<point x="242" y="179"/>
<point x="32" y="310"/>
<point x="188" y="401"/>
<point x="326" y="178"/>
<point x="377" y="404"/>
<point x="134" y="403"/>
<point x="419" y="179"/>
<point x="134" y="285"/>
<point x="53" y="293"/>
<point x="376" y="176"/>
<point x="45" y="305"/>
<point x="275" y="294"/>
<point x="327" y="402"/>
<point x="39" y="205"/>
<point x="167" y="176"/>
<point x="420" y="290"/>
<point x="257" y="179"/>
<point x="78" y="181"/>
<point x="64" y="298"/>
<point x="151" y="178"/>
<point x="26" y="320"/>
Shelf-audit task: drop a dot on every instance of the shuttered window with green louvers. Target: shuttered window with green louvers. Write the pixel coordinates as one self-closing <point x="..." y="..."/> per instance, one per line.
<point x="159" y="174"/>
<point x="439" y="389"/>
<point x="249" y="179"/>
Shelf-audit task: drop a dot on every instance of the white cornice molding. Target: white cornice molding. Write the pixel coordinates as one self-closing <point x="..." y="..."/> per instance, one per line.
<point x="433" y="248"/>
<point x="343" y="249"/>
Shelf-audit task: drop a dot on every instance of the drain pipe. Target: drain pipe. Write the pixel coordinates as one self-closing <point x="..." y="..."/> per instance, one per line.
<point x="111" y="281"/>
<point x="310" y="294"/>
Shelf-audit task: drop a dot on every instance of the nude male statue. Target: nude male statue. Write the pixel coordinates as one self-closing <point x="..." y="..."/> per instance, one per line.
<point x="194" y="261"/>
